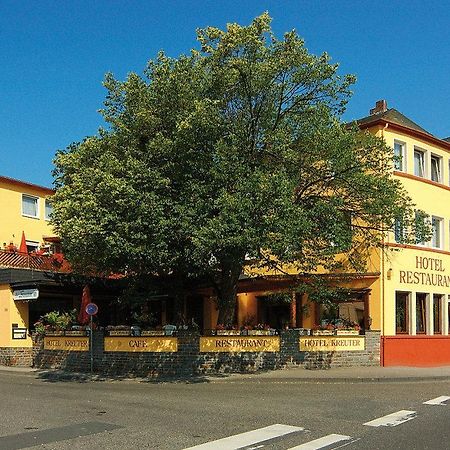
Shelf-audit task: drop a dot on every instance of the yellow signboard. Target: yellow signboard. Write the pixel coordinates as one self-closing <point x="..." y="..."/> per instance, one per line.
<point x="331" y="343"/>
<point x="74" y="344"/>
<point x="141" y="344"/>
<point x="240" y="344"/>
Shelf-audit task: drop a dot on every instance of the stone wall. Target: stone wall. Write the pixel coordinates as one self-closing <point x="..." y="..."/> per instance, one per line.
<point x="188" y="361"/>
<point x="16" y="356"/>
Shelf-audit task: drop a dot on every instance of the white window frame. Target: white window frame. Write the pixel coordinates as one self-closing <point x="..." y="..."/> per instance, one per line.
<point x="34" y="244"/>
<point x="427" y="220"/>
<point x="440" y="222"/>
<point x="47" y="202"/>
<point x="37" y="206"/>
<point x="402" y="155"/>
<point x="433" y="156"/>
<point x="424" y="162"/>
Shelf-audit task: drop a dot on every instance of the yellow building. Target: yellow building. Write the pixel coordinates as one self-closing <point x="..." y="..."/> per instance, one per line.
<point x="405" y="292"/>
<point x="26" y="210"/>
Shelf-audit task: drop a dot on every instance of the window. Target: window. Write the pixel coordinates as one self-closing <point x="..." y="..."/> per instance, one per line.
<point x="436" y="228"/>
<point x="400" y="156"/>
<point x="448" y="315"/>
<point x="437" y="301"/>
<point x="30" y="206"/>
<point x="48" y="209"/>
<point x="401" y="312"/>
<point x="436" y="168"/>
<point x="32" y="246"/>
<point x="399" y="231"/>
<point x="420" y="224"/>
<point x="419" y="163"/>
<point x="421" y="300"/>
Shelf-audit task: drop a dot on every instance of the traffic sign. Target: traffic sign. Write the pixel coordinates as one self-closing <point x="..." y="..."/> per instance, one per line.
<point x="91" y="309"/>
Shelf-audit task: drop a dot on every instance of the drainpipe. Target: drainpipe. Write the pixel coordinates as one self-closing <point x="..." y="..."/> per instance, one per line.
<point x="383" y="265"/>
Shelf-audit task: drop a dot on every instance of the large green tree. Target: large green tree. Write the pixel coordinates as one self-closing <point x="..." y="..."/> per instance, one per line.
<point x="231" y="155"/>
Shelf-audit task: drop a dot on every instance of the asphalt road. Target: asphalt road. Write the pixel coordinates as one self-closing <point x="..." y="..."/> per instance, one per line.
<point x="38" y="413"/>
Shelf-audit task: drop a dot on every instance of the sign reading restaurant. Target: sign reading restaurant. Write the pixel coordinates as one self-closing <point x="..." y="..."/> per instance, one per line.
<point x="240" y="344"/>
<point x="418" y="276"/>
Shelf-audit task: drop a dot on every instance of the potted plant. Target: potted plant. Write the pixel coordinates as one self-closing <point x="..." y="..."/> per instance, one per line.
<point x="118" y="330"/>
<point x="230" y="330"/>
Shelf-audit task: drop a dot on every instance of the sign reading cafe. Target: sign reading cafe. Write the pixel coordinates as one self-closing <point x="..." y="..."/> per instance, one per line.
<point x="418" y="276"/>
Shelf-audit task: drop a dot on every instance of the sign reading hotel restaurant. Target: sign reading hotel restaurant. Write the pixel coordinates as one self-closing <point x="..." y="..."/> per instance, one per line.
<point x="240" y="344"/>
<point x="435" y="276"/>
<point x="332" y="343"/>
<point x="74" y="344"/>
<point x="25" y="294"/>
<point x="141" y="344"/>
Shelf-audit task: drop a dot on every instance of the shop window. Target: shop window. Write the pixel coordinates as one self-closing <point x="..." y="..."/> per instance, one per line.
<point x="419" y="163"/>
<point x="400" y="156"/>
<point x="421" y="307"/>
<point x="448" y="315"/>
<point x="30" y="206"/>
<point x="436" y="228"/>
<point x="437" y="301"/>
<point x="342" y="313"/>
<point x="402" y="312"/>
<point x="436" y="168"/>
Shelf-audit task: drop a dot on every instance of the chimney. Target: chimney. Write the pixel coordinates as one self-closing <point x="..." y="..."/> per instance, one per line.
<point x="380" y="107"/>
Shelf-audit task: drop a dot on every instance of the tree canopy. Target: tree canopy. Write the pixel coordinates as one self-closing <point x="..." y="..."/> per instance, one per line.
<point x="234" y="154"/>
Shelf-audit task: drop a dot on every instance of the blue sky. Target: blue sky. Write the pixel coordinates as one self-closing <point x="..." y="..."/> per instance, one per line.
<point x="54" y="54"/>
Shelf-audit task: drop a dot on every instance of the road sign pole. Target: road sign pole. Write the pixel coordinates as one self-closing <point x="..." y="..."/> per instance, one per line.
<point x="91" y="343"/>
<point x="91" y="310"/>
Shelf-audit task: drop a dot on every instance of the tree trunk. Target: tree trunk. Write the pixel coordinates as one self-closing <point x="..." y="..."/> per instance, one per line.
<point x="227" y="292"/>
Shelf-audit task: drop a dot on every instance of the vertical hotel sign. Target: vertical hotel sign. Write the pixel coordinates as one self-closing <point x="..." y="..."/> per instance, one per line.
<point x="418" y="276"/>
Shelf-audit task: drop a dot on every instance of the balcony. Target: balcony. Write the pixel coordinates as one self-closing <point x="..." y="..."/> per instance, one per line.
<point x="48" y="263"/>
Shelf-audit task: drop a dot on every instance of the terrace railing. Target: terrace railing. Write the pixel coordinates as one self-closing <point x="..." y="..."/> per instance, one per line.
<point x="48" y="263"/>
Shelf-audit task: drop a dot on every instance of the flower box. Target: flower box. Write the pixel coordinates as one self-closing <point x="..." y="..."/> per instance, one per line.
<point x="152" y="333"/>
<point x="120" y="332"/>
<point x="347" y="332"/>
<point x="75" y="333"/>
<point x="228" y="333"/>
<point x="54" y="333"/>
<point x="259" y="332"/>
<point x="323" y="332"/>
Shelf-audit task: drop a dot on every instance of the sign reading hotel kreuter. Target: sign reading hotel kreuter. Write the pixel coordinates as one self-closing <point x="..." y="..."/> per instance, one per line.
<point x="332" y="343"/>
<point x="74" y="344"/>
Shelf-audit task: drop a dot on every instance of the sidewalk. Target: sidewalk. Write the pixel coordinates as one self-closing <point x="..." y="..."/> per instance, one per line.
<point x="349" y="374"/>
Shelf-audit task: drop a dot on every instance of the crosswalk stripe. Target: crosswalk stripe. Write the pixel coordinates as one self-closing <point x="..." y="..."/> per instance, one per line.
<point x="249" y="438"/>
<point x="437" y="401"/>
<point x="392" y="420"/>
<point x="322" y="442"/>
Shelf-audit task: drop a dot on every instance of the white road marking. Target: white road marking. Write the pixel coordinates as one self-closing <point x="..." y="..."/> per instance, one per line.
<point x="392" y="420"/>
<point x="322" y="442"/>
<point x="437" y="401"/>
<point x="249" y="438"/>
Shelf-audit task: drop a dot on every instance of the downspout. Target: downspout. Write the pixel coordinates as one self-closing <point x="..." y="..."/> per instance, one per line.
<point x="382" y="266"/>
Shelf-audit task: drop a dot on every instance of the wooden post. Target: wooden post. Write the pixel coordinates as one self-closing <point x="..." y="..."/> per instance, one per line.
<point x="293" y="311"/>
